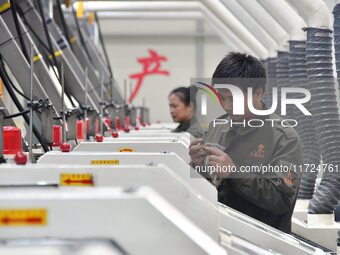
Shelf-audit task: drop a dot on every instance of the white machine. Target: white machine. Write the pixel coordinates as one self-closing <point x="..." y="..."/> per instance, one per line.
<point x="140" y="220"/>
<point x="178" y="147"/>
<point x="322" y="233"/>
<point x="159" y="177"/>
<point x="161" y="126"/>
<point x="230" y="221"/>
<point x="320" y="229"/>
<point x="146" y="139"/>
<point x="263" y="235"/>
<point x="49" y="246"/>
<point x="176" y="164"/>
<point x="141" y="133"/>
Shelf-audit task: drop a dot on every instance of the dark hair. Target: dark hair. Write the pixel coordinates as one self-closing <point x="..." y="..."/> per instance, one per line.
<point x="186" y="94"/>
<point x="244" y="71"/>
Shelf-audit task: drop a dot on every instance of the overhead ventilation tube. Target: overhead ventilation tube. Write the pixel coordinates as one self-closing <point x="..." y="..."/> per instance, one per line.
<point x="270" y="65"/>
<point x="326" y="117"/>
<point x="282" y="75"/>
<point x="306" y="125"/>
<point x="336" y="27"/>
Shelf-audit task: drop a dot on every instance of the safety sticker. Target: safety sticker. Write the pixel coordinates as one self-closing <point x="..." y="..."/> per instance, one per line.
<point x="23" y="217"/>
<point x="105" y="162"/>
<point x="69" y="179"/>
<point x="126" y="150"/>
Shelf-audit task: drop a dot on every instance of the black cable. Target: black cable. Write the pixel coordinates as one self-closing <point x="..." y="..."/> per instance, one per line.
<point x="63" y="22"/>
<point x="17" y="90"/>
<point x="18" y="29"/>
<point x="48" y="38"/>
<point x="80" y="33"/>
<point x="17" y="114"/>
<point x="45" y="47"/>
<point x="10" y="91"/>
<point x="101" y="39"/>
<point x="14" y="87"/>
<point x="41" y="42"/>
<point x="20" y="113"/>
<point x="48" y="52"/>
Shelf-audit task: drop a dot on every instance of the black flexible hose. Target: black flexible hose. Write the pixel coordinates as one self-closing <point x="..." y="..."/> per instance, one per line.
<point x="306" y="125"/>
<point x="17" y="90"/>
<point x="48" y="38"/>
<point x="11" y="93"/>
<point x="14" y="87"/>
<point x="325" y="112"/>
<point x="282" y="76"/>
<point x="18" y="29"/>
<point x="63" y="22"/>
<point x="82" y="41"/>
<point x="41" y="42"/>
<point x="101" y="39"/>
<point x="48" y="52"/>
<point x="271" y="80"/>
<point x="15" y="115"/>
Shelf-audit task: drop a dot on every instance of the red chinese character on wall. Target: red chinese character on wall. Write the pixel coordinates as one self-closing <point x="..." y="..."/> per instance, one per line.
<point x="151" y="66"/>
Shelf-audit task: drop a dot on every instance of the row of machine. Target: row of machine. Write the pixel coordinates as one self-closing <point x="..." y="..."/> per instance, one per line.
<point x="138" y="192"/>
<point x="92" y="175"/>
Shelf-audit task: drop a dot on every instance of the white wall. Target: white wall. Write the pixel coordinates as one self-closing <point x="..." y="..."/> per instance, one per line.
<point x="125" y="43"/>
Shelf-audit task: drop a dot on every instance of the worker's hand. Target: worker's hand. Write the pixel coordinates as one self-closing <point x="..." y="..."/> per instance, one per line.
<point x="197" y="152"/>
<point x="217" y="157"/>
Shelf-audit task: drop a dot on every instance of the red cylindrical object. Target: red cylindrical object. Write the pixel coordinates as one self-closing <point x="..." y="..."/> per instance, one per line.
<point x="65" y="147"/>
<point x="57" y="135"/>
<point x="99" y="138"/>
<point x="118" y="124"/>
<point x="12" y="140"/>
<point x="127" y="122"/>
<point x="20" y="158"/>
<point x="97" y="126"/>
<point x="80" y="129"/>
<point x="115" y="134"/>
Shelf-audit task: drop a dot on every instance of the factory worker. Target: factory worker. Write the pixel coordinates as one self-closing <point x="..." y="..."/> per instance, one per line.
<point x="182" y="110"/>
<point x="258" y="172"/>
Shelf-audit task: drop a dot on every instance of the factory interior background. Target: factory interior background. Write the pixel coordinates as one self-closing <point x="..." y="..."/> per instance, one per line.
<point x="169" y="127"/>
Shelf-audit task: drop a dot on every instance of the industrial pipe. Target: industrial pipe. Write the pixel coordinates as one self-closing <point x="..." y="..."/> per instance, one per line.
<point x="213" y="10"/>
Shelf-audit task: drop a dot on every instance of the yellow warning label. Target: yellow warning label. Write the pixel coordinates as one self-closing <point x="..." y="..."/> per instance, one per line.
<point x="57" y="54"/>
<point x="80" y="9"/>
<point x="37" y="57"/>
<point x="5" y="7"/>
<point x="126" y="150"/>
<point x="73" y="39"/>
<point x="105" y="162"/>
<point x="23" y="217"/>
<point x="91" y="18"/>
<point x="67" y="179"/>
